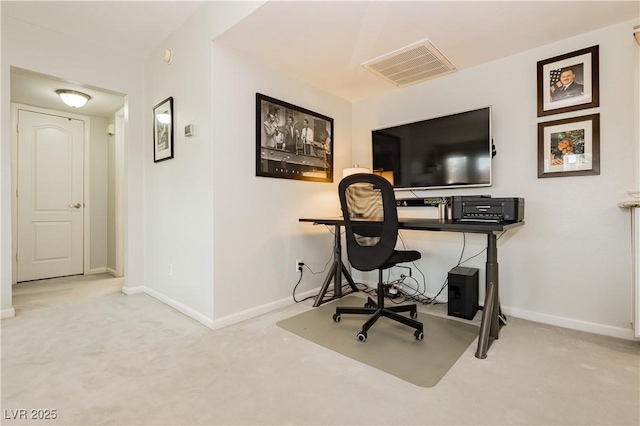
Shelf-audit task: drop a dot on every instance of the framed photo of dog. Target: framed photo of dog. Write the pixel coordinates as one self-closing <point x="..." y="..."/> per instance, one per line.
<point x="569" y="147"/>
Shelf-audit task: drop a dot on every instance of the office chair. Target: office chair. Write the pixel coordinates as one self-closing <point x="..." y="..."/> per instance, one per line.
<point x="371" y="222"/>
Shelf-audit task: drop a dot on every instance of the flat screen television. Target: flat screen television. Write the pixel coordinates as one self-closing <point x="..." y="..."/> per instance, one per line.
<point x="452" y="151"/>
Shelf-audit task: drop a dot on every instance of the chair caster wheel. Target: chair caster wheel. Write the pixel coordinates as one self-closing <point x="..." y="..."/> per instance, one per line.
<point x="414" y="315"/>
<point x="336" y="317"/>
<point x="419" y="335"/>
<point x="362" y="336"/>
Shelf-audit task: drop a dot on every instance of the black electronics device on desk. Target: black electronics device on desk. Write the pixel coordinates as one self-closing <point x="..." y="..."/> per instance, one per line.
<point x="486" y="208"/>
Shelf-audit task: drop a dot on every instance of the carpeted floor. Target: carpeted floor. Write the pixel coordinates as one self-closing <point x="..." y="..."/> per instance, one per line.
<point x="98" y="357"/>
<point x="390" y="346"/>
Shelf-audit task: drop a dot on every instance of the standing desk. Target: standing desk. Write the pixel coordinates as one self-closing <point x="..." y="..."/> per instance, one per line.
<point x="490" y="325"/>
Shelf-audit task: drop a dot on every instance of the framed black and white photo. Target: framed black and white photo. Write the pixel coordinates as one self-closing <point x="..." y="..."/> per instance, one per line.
<point x="569" y="147"/>
<point x="568" y="82"/>
<point x="163" y="130"/>
<point x="292" y="142"/>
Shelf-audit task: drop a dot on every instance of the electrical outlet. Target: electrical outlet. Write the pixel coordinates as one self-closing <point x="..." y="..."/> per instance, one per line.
<point x="299" y="265"/>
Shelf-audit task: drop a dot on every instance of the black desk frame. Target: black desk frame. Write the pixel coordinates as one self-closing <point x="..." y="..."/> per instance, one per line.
<point x="491" y="315"/>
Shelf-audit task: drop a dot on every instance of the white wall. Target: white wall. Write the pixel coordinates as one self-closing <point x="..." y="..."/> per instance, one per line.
<point x="230" y="237"/>
<point x="257" y="233"/>
<point x="570" y="264"/>
<point x="36" y="49"/>
<point x="179" y="193"/>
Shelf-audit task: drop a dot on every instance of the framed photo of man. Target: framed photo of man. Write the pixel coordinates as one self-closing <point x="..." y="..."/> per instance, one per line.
<point x="568" y="82"/>
<point x="292" y="142"/>
<point x="569" y="147"/>
<point x="163" y="130"/>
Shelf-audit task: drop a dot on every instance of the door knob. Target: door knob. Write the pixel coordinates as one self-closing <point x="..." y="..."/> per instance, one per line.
<point x="76" y="205"/>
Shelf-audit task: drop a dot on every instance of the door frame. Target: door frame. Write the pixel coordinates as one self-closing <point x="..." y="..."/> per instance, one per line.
<point x="119" y="193"/>
<point x="15" y="107"/>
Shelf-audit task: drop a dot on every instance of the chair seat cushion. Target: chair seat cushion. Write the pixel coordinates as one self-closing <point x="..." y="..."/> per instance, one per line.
<point x="401" y="256"/>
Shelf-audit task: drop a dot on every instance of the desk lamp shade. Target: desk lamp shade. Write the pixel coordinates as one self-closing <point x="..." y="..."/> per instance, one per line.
<point x="353" y="170"/>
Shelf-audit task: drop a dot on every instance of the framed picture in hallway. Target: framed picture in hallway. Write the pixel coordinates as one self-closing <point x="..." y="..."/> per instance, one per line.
<point x="569" y="147"/>
<point x="163" y="130"/>
<point x="569" y="82"/>
<point x="292" y="142"/>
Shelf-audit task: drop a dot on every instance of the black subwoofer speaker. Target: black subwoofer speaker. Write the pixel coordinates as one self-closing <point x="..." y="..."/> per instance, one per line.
<point x="463" y="292"/>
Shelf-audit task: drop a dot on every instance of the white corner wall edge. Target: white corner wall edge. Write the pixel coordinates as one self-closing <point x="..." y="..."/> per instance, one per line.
<point x="573" y="324"/>
<point x="7" y="313"/>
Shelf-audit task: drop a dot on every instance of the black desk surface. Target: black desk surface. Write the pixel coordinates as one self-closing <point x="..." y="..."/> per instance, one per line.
<point x="428" y="224"/>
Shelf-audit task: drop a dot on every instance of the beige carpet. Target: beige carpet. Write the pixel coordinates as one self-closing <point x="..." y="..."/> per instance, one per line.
<point x="390" y="346"/>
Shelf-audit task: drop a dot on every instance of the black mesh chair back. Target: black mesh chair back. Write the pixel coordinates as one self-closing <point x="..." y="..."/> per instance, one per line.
<point x="371" y="221"/>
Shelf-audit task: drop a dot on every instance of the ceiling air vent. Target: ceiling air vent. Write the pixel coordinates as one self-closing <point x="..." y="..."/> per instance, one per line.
<point x="412" y="64"/>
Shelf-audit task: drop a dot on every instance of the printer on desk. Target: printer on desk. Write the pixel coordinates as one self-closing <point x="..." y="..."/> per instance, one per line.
<point x="484" y="208"/>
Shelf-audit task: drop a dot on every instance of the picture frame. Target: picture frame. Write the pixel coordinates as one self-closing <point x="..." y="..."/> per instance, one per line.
<point x="292" y="142"/>
<point x="569" y="147"/>
<point x="163" y="130"/>
<point x="569" y="82"/>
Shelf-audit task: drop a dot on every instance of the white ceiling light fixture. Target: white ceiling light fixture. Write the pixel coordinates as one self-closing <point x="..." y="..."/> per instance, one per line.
<point x="73" y="98"/>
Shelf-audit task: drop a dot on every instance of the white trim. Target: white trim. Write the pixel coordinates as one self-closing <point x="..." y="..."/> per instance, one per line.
<point x="87" y="194"/>
<point x="98" y="270"/>
<point x="573" y="324"/>
<point x="635" y="262"/>
<point x="7" y="313"/>
<point x="132" y="290"/>
<point x="111" y="272"/>
<point x="179" y="307"/>
<point x="257" y="311"/>
<point x="119" y="191"/>
<point x="222" y="322"/>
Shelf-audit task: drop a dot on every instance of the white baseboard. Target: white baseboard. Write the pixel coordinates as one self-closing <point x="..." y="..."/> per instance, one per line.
<point x="111" y="272"/>
<point x="208" y="322"/>
<point x="132" y="290"/>
<point x="573" y="324"/>
<point x="97" y="270"/>
<point x="222" y="322"/>
<point x="258" y="310"/>
<point x="7" y="313"/>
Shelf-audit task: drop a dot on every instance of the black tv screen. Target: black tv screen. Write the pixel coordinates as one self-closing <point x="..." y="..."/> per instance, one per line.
<point x="445" y="152"/>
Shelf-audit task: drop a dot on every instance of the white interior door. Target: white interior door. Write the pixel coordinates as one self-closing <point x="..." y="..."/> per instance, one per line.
<point x="50" y="196"/>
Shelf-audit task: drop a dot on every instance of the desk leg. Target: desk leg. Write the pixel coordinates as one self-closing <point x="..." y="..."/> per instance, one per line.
<point x="335" y="273"/>
<point x="490" y="326"/>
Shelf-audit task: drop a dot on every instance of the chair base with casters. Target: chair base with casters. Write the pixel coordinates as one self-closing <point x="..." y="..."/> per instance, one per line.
<point x="378" y="310"/>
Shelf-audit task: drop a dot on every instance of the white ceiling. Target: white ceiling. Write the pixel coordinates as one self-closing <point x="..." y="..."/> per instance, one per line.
<point x="131" y="28"/>
<point x="325" y="42"/>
